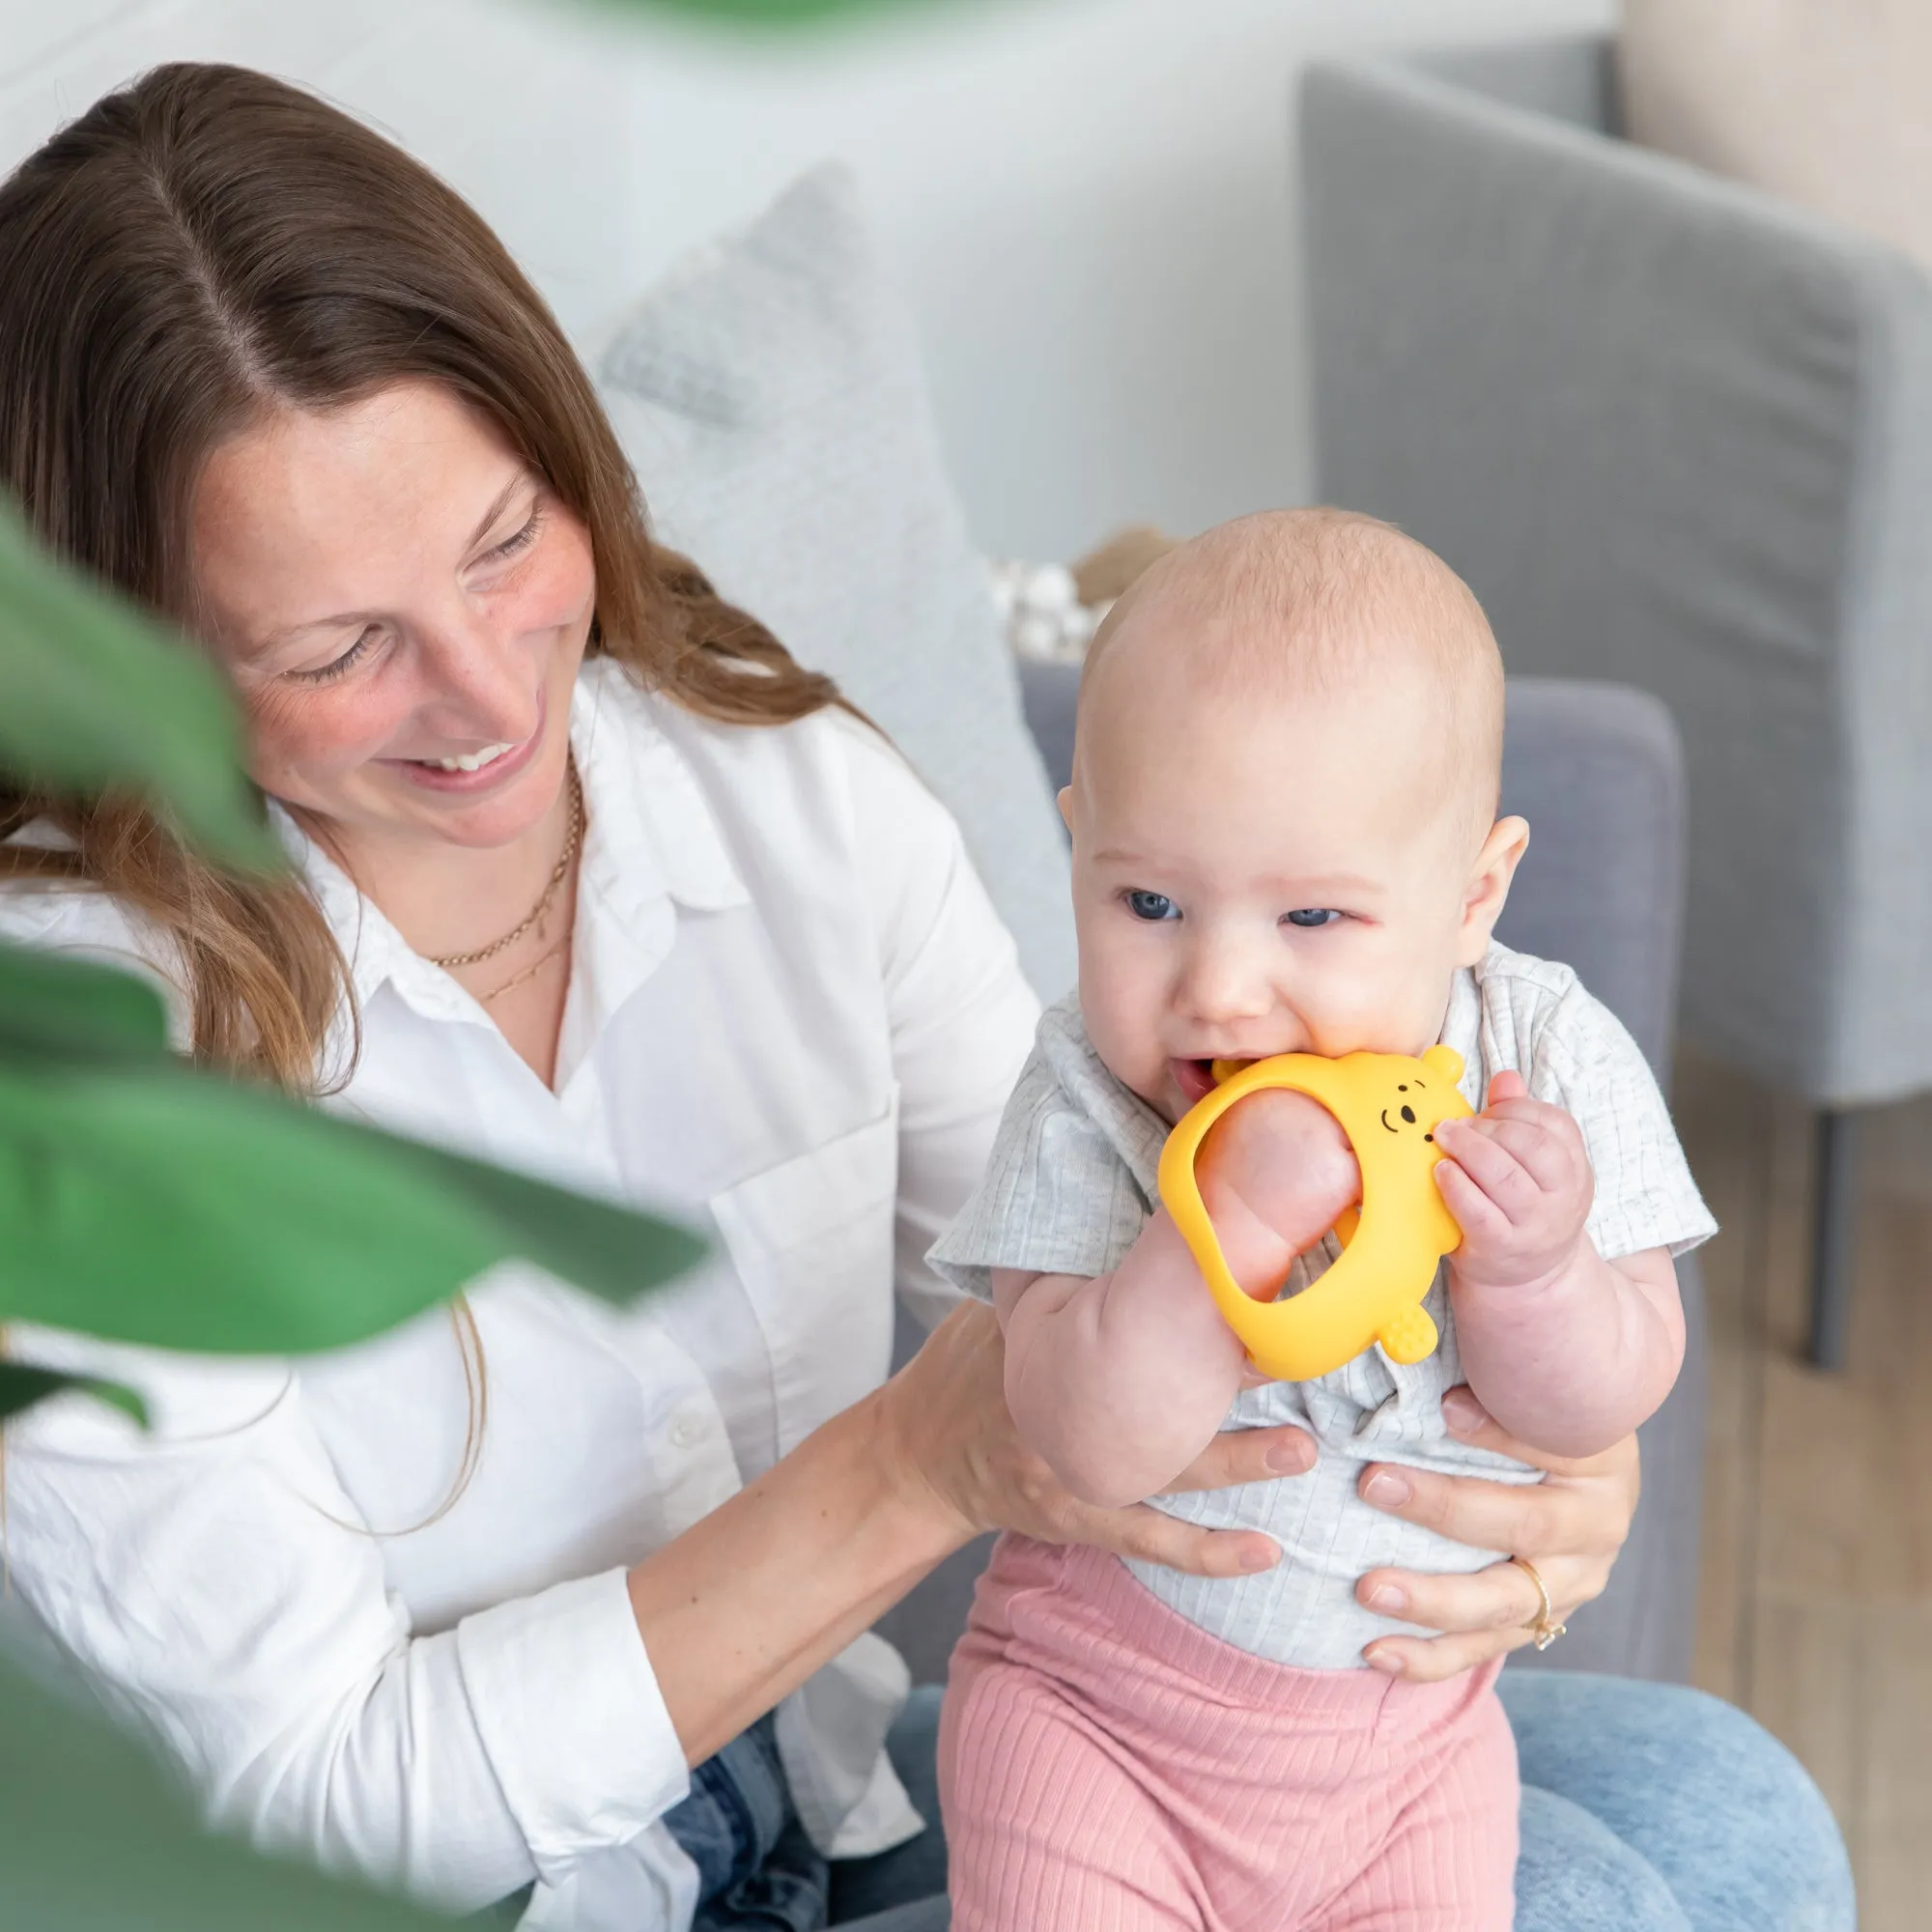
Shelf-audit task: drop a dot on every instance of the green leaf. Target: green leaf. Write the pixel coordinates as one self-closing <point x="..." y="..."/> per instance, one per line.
<point x="50" y="1004"/>
<point x="611" y="1251"/>
<point x="769" y="13"/>
<point x="95" y="1837"/>
<point x="23" y="1385"/>
<point x="95" y="696"/>
<point x="169" y="1208"/>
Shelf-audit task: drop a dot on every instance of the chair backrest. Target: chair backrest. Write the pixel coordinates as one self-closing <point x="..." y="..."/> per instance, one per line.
<point x="1673" y="432"/>
<point x="1598" y="770"/>
<point x="1568" y="78"/>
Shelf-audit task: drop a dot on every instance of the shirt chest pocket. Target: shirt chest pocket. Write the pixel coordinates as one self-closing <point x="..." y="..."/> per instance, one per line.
<point x="811" y="1241"/>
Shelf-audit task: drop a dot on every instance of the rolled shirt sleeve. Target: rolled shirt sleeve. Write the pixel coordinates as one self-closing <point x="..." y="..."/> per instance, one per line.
<point x="567" y="1709"/>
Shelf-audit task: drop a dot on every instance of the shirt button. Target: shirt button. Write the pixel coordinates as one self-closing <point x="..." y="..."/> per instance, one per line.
<point x="685" y="1431"/>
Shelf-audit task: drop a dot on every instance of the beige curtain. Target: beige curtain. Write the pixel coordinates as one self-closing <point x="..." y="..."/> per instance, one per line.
<point x="1827" y="102"/>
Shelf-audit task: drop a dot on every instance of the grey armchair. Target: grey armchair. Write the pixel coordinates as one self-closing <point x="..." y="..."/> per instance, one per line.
<point x="1597" y="772"/>
<point x="1676" y="434"/>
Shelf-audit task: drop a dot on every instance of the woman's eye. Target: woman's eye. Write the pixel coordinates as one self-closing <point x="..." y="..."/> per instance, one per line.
<point x="1313" y="916"/>
<point x="1151" y="906"/>
<point x="514" y="546"/>
<point x="340" y="667"/>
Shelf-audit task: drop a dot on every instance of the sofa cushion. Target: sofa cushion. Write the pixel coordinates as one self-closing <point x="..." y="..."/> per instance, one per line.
<point x="770" y="396"/>
<point x="1822" y="102"/>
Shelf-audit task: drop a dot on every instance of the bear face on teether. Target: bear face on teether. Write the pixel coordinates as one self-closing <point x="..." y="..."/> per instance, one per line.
<point x="1389" y="1106"/>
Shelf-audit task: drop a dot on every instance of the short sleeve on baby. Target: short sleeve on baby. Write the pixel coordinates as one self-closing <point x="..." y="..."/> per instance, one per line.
<point x="1070" y="1181"/>
<point x="1534" y="1017"/>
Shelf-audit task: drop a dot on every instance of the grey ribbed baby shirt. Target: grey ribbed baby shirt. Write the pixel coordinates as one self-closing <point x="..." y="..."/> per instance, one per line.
<point x="1070" y="1184"/>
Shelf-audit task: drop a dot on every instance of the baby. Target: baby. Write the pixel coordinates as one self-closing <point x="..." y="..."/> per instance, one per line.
<point x="1285" y="841"/>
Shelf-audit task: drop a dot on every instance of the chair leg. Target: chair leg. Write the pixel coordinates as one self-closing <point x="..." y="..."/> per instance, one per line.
<point x="1833" y="1237"/>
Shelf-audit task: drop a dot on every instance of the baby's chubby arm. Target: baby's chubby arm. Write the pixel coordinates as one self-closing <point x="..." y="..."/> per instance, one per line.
<point x="1565" y="1350"/>
<point x="1121" y="1380"/>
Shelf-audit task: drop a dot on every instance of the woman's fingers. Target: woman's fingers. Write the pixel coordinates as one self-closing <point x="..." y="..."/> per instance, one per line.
<point x="948" y="1410"/>
<point x="1152" y="1537"/>
<point x="1248" y="1456"/>
<point x="1498" y="1598"/>
<point x="1526" y="1520"/>
<point x="1427" y="1660"/>
<point x="1571" y="1525"/>
<point x="1522" y="1519"/>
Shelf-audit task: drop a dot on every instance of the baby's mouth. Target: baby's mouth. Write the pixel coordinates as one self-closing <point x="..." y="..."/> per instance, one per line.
<point x="1194" y="1077"/>
<point x="1198" y="1078"/>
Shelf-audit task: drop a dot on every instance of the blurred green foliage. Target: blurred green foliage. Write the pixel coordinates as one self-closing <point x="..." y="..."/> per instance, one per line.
<point x="155" y="1205"/>
<point x="774" y="13"/>
<point x="145" y="1201"/>
<point x="94" y="696"/>
<point x="95" y="1837"/>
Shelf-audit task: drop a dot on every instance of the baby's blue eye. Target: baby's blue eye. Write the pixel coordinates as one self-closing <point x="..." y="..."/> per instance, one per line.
<point x="1312" y="915"/>
<point x="1152" y="906"/>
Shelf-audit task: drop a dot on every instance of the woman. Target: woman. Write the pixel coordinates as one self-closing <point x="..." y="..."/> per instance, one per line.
<point x="594" y="880"/>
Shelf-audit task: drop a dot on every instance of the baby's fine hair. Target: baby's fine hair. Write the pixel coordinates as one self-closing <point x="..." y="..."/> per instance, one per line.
<point x="1316" y="601"/>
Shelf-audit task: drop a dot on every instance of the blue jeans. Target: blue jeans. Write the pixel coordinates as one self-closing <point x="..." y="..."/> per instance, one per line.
<point x="756" y="1870"/>
<point x="1646" y="1808"/>
<point x="738" y="1826"/>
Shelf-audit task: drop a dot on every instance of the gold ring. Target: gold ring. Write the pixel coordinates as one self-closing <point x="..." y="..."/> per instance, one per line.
<point x="1542" y="1628"/>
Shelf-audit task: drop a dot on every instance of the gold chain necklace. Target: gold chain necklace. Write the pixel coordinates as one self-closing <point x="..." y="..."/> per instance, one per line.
<point x="530" y="972"/>
<point x="571" y="840"/>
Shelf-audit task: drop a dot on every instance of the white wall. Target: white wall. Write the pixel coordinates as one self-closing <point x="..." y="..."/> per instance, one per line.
<point x="1089" y="201"/>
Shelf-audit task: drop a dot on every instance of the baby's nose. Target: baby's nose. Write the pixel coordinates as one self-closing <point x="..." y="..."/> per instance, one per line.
<point x="1218" y="990"/>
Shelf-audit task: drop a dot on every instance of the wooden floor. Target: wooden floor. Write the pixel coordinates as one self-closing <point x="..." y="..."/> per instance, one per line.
<point x="1815" y="1610"/>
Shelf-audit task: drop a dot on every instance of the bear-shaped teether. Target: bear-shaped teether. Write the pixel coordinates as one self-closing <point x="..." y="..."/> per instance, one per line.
<point x="1389" y="1106"/>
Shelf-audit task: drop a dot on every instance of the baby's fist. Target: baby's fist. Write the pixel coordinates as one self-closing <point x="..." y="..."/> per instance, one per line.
<point x="1281" y="1158"/>
<point x="1517" y="1178"/>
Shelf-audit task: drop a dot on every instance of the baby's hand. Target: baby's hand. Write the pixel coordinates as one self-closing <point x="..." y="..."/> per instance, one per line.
<point x="1275" y="1171"/>
<point x="1517" y="1179"/>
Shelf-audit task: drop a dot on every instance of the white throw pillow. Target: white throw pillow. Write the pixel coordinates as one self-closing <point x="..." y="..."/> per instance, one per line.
<point x="770" y="396"/>
<point x="1827" y="102"/>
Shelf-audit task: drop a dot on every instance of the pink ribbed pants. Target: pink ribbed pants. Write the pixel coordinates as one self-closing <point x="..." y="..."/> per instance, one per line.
<point x="1105" y="1766"/>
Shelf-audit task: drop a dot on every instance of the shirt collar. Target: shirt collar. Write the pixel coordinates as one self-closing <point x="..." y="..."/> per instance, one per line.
<point x="651" y="830"/>
<point x="649" y="835"/>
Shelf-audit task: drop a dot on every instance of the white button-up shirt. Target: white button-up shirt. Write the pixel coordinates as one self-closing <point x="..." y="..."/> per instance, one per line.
<point x="793" y="1020"/>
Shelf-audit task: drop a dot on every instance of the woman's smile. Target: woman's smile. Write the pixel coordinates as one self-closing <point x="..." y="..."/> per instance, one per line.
<point x="470" y="773"/>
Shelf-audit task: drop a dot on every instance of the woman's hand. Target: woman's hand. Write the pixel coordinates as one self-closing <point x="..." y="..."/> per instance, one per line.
<point x="950" y="1430"/>
<point x="1571" y="1525"/>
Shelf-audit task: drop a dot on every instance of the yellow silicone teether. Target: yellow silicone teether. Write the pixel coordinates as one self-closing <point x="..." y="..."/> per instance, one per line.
<point x="1389" y="1106"/>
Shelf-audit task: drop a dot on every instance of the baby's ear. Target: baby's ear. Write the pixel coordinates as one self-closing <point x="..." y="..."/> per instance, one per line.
<point x="1488" y="885"/>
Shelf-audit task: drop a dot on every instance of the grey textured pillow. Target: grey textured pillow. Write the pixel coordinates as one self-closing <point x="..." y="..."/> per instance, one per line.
<point x="770" y="395"/>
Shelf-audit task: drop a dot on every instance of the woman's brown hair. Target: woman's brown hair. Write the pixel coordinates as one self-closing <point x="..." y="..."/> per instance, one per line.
<point x="207" y="245"/>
